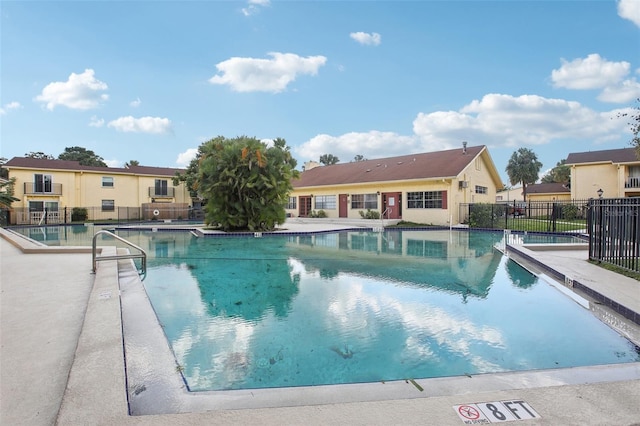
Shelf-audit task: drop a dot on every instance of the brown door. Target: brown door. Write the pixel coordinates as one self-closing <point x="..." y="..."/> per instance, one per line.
<point x="343" y="206"/>
<point x="305" y="206"/>
<point x="392" y="205"/>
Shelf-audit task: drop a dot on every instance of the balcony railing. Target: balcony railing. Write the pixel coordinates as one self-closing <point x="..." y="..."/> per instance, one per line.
<point x="632" y="182"/>
<point x="33" y="188"/>
<point x="161" y="192"/>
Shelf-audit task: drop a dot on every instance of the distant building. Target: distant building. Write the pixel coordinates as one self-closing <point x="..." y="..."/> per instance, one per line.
<point x="614" y="173"/>
<point x="548" y="192"/>
<point x="52" y="188"/>
<point x="509" y="195"/>
<point x="422" y="188"/>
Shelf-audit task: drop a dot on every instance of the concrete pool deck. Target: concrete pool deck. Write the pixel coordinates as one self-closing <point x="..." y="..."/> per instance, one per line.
<point x="61" y="359"/>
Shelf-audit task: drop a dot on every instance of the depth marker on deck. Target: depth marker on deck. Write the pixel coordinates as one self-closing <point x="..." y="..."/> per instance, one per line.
<point x="480" y="413"/>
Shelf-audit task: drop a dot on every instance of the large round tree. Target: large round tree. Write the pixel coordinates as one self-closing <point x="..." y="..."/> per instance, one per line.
<point x="246" y="182"/>
<point x="523" y="167"/>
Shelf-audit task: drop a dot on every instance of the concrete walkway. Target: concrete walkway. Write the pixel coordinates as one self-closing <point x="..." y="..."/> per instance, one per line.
<point x="61" y="361"/>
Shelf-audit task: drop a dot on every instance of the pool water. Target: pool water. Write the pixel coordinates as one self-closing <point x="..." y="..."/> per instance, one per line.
<point x="353" y="307"/>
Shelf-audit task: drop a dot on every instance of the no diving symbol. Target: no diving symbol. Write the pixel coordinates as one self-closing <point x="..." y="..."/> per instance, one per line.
<point x="469" y="412"/>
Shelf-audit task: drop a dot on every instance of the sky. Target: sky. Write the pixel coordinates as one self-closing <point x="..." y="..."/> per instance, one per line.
<point x="152" y="80"/>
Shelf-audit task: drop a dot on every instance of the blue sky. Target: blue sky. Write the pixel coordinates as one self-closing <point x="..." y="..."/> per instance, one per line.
<point x="151" y="80"/>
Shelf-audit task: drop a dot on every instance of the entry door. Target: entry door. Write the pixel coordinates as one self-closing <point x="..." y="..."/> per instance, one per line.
<point x="392" y="205"/>
<point x="305" y="206"/>
<point x="343" y="207"/>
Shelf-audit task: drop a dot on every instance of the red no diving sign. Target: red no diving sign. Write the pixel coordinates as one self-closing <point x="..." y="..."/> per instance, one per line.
<point x="495" y="412"/>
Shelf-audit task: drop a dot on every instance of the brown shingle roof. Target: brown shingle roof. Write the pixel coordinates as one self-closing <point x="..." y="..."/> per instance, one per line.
<point x="623" y="155"/>
<point x="547" y="188"/>
<point x="430" y="165"/>
<point x="44" y="164"/>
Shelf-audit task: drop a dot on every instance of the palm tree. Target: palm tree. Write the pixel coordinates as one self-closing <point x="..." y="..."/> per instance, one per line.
<point x="523" y="167"/>
<point x="6" y="193"/>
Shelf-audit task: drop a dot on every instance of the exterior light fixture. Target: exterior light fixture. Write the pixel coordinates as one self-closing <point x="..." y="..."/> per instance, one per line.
<point x="600" y="192"/>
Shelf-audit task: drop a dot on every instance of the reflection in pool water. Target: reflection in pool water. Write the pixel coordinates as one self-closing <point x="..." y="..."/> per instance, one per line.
<point x="361" y="307"/>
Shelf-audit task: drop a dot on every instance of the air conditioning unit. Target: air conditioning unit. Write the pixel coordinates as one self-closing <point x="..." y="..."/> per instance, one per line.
<point x="463" y="184"/>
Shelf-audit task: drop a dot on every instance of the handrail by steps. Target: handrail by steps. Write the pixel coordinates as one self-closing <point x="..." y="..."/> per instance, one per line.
<point x="142" y="255"/>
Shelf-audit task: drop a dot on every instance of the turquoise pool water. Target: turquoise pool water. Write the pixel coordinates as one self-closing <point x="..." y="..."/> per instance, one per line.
<point x="298" y="310"/>
<point x="349" y="307"/>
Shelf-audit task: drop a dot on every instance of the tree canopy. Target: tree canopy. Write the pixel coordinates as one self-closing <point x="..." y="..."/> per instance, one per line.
<point x="245" y="182"/>
<point x="131" y="163"/>
<point x="40" y="155"/>
<point x="561" y="173"/>
<point x="359" y="157"/>
<point x="634" y="124"/>
<point x="328" y="159"/>
<point x="84" y="156"/>
<point x="523" y="167"/>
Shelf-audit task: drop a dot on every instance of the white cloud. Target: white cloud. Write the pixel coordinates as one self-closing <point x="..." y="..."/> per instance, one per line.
<point x="592" y="72"/>
<point x="265" y="75"/>
<point x="80" y="91"/>
<point x="371" y="39"/>
<point x="254" y="7"/>
<point x="595" y="72"/>
<point x="96" y="122"/>
<point x="113" y="163"/>
<point x="135" y="103"/>
<point x="154" y="125"/>
<point x="495" y="120"/>
<point x="630" y="9"/>
<point x="373" y="144"/>
<point x="9" y="107"/>
<point x="184" y="158"/>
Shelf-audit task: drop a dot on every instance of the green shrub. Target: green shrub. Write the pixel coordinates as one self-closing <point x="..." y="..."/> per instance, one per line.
<point x="319" y="213"/>
<point x="570" y="211"/>
<point x="370" y="214"/>
<point x="79" y="214"/>
<point x="485" y="215"/>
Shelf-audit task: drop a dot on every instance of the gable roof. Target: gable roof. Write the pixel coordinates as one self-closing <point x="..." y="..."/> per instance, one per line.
<point x="547" y="188"/>
<point x="622" y="155"/>
<point x="44" y="164"/>
<point x="430" y="165"/>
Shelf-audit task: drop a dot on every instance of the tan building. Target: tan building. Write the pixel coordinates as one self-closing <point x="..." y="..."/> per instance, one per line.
<point x="613" y="173"/>
<point x="58" y="186"/>
<point x="548" y="192"/>
<point x="423" y="188"/>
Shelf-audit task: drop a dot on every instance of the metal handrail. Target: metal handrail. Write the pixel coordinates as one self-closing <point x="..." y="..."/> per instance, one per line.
<point x="142" y="255"/>
<point x="388" y="209"/>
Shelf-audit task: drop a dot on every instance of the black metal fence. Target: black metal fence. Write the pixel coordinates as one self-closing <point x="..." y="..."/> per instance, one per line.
<point x="537" y="216"/>
<point x="65" y="215"/>
<point x="614" y="232"/>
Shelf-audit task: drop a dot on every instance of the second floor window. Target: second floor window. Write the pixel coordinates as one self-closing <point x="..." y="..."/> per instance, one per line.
<point x="481" y="189"/>
<point x="161" y="187"/>
<point x="107" y="182"/>
<point x="42" y="183"/>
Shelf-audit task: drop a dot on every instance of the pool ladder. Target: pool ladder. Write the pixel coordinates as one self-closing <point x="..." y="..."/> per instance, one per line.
<point x="142" y="255"/>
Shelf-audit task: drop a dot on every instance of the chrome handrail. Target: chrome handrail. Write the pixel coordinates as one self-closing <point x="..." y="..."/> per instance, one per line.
<point x="142" y="255"/>
<point x="388" y="209"/>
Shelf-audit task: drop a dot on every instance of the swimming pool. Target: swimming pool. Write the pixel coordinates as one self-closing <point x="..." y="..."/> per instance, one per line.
<point x="358" y="307"/>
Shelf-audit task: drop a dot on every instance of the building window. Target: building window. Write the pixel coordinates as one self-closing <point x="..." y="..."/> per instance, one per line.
<point x="478" y="163"/>
<point x="108" y="205"/>
<point x="42" y="183"/>
<point x="326" y="202"/>
<point x="161" y="187"/>
<point x="481" y="189"/>
<point x="107" y="182"/>
<point x="293" y="203"/>
<point x="424" y="200"/>
<point x="364" y="201"/>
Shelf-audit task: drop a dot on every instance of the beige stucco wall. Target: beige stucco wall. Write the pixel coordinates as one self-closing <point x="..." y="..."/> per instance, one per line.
<point x="586" y="179"/>
<point x="564" y="196"/>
